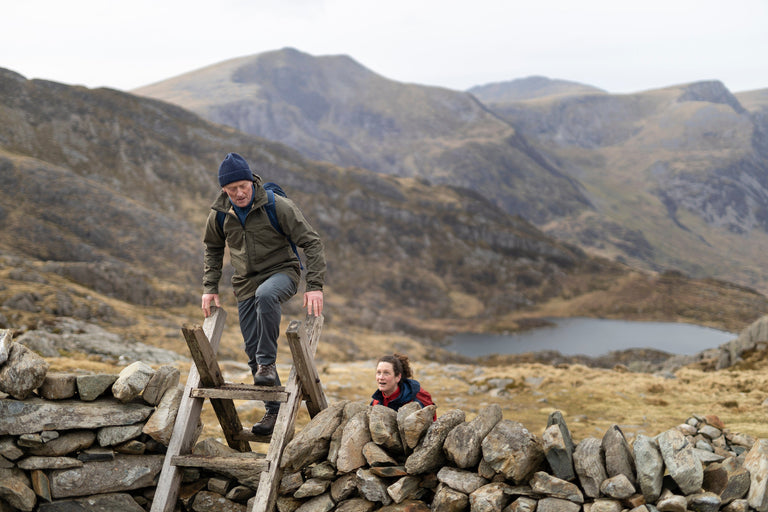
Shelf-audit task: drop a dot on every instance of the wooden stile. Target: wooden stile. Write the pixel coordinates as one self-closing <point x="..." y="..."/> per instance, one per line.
<point x="206" y="381"/>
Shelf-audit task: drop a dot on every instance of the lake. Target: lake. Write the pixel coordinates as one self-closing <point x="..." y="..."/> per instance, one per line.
<point x="594" y="337"/>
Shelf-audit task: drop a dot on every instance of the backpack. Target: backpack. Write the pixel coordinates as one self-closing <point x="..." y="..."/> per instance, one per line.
<point x="272" y="189"/>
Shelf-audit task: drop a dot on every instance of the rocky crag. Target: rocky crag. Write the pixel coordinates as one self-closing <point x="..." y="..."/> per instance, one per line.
<point x="96" y="443"/>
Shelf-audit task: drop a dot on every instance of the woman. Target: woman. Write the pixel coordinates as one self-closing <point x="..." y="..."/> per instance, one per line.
<point x="396" y="387"/>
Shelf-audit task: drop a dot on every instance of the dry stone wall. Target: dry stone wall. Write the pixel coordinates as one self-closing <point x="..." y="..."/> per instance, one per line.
<point x="356" y="457"/>
<point x="72" y="442"/>
<point x="93" y="443"/>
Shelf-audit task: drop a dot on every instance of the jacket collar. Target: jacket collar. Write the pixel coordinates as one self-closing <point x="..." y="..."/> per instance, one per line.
<point x="408" y="390"/>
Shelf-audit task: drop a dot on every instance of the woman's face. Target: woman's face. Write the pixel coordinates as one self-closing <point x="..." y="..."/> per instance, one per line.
<point x="386" y="378"/>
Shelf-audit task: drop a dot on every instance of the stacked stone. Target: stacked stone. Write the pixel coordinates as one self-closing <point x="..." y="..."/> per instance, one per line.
<point x="65" y="436"/>
<point x="95" y="443"/>
<point x="355" y="457"/>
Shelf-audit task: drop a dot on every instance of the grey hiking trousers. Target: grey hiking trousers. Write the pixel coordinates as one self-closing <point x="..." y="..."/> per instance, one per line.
<point x="260" y="323"/>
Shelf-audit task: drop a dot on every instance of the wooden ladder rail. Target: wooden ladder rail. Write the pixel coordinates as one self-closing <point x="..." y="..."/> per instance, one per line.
<point x="205" y="381"/>
<point x="184" y="432"/>
<point x="303" y="371"/>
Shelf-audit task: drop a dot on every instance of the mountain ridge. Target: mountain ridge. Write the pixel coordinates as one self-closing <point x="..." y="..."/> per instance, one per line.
<point x="528" y="88"/>
<point x="660" y="179"/>
<point x="110" y="192"/>
<point x="353" y="122"/>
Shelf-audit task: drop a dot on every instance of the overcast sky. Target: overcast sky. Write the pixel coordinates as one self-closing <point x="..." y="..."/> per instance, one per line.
<point x="618" y="45"/>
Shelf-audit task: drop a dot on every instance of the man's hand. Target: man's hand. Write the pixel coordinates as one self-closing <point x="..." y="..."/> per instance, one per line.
<point x="313" y="301"/>
<point x="208" y="297"/>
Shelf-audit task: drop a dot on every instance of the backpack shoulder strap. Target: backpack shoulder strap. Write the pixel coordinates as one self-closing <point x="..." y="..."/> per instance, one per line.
<point x="272" y="214"/>
<point x="220" y="216"/>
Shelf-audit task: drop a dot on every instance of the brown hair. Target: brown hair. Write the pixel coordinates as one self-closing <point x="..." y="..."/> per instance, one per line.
<point x="400" y="364"/>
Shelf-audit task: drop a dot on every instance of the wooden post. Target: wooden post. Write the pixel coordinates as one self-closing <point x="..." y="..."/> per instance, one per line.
<point x="185" y="429"/>
<point x="269" y="482"/>
<point x="304" y="362"/>
<point x="210" y="376"/>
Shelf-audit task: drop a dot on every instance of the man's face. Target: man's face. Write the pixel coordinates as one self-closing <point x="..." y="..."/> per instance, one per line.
<point x="239" y="192"/>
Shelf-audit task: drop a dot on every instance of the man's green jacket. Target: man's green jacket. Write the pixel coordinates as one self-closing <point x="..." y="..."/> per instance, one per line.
<point x="257" y="250"/>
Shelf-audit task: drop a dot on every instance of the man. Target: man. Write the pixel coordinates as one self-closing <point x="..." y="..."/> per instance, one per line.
<point x="266" y="268"/>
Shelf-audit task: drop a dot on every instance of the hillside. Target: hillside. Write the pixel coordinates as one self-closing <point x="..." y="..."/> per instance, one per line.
<point x="333" y="109"/>
<point x="673" y="178"/>
<point x="754" y="101"/>
<point x="110" y="191"/>
<point x="678" y="176"/>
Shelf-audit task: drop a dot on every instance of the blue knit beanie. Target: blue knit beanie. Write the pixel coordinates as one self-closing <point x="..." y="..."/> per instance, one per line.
<point x="234" y="168"/>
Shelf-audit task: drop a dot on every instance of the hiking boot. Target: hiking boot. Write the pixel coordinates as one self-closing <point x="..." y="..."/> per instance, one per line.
<point x="266" y="375"/>
<point x="266" y="425"/>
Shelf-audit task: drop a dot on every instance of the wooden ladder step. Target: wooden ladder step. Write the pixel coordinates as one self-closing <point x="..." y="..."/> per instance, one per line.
<point x="254" y="461"/>
<point x="241" y="392"/>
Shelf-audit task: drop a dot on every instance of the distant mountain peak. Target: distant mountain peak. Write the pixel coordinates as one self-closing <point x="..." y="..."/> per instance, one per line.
<point x="290" y="64"/>
<point x="712" y="91"/>
<point x="527" y="88"/>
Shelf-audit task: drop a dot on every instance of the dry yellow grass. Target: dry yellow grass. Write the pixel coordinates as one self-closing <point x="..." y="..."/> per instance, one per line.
<point x="591" y="400"/>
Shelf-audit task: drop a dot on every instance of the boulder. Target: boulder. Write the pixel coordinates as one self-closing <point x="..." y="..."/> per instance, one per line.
<point x="510" y="449"/>
<point x="681" y="462"/>
<point x="165" y="378"/>
<point x="92" y="386"/>
<point x="58" y="386"/>
<point x="355" y="436"/>
<point x="463" y="481"/>
<point x="449" y="500"/>
<point x="159" y="426"/>
<point x="312" y="443"/>
<point x="548" y="485"/>
<point x="650" y="467"/>
<point x="618" y="455"/>
<point x="756" y="462"/>
<point x="16" y="490"/>
<point x="558" y="447"/>
<point x="23" y="372"/>
<point x="36" y="415"/>
<point x="413" y="422"/>
<point x="428" y="455"/>
<point x="5" y="344"/>
<point x="588" y="462"/>
<point x="382" y="422"/>
<point x="372" y="487"/>
<point x="124" y="473"/>
<point x="463" y="446"/>
<point x="490" y="498"/>
<point x="131" y="381"/>
<point x="728" y="479"/>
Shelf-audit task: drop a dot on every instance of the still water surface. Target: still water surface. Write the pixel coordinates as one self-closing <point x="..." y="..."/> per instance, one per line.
<point x="594" y="337"/>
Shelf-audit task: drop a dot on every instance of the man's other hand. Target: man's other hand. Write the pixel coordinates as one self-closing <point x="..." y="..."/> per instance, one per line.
<point x="214" y="297"/>
<point x="313" y="301"/>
